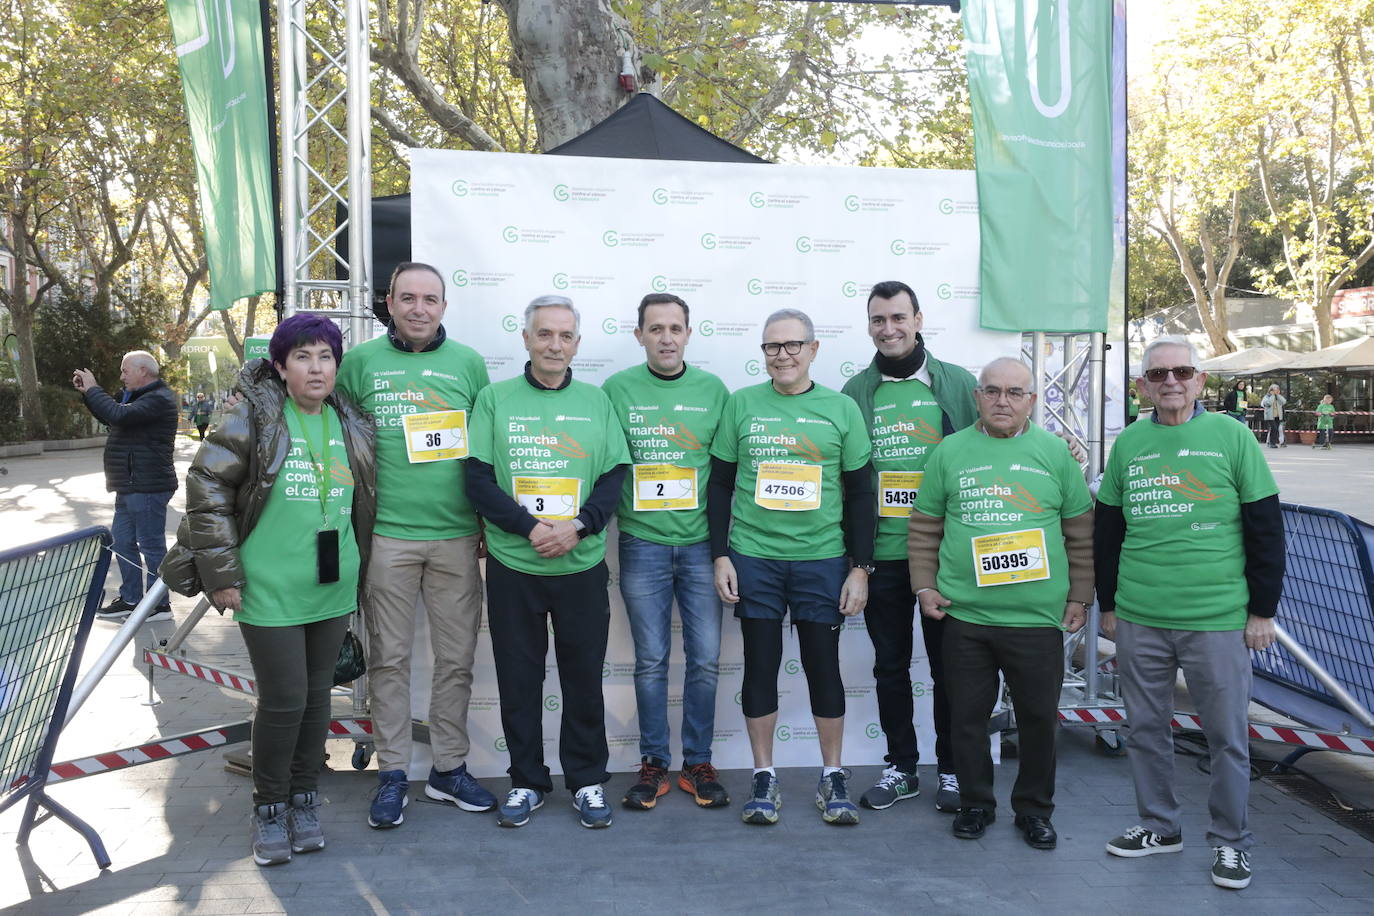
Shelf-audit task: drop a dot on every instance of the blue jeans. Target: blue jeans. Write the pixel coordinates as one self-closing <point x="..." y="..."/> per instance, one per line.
<point x="651" y="575"/>
<point x="139" y="529"/>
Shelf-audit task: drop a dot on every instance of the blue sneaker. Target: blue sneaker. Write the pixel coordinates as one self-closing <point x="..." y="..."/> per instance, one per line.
<point x="832" y="798"/>
<point x="389" y="800"/>
<point x="590" y="802"/>
<point x="515" y="810"/>
<point x="763" y="807"/>
<point x="460" y="788"/>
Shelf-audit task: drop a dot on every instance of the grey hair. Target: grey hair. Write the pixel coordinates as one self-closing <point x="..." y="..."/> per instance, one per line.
<point x="785" y="314"/>
<point x="553" y="302"/>
<point x="1167" y="341"/>
<point x="145" y="359"/>
<point x="1009" y="361"/>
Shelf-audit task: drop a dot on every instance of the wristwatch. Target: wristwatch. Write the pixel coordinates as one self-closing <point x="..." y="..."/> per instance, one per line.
<point x="866" y="567"/>
<point x="580" y="527"/>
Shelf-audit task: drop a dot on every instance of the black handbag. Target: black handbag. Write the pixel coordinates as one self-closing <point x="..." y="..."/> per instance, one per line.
<point x="351" y="664"/>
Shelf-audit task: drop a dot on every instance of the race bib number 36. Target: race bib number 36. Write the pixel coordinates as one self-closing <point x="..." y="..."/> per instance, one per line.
<point x="664" y="487"/>
<point x="438" y="436"/>
<point x="897" y="492"/>
<point x="549" y="497"/>
<point x="788" y="487"/>
<point x="1015" y="556"/>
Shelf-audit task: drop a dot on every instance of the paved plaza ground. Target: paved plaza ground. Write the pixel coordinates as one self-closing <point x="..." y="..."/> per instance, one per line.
<point x="178" y="834"/>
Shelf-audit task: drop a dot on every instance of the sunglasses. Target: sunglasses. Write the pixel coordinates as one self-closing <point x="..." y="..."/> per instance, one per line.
<point x="1182" y="373"/>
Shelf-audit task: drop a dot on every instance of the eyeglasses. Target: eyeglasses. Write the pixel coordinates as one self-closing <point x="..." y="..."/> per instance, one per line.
<point x="793" y="347"/>
<point x="993" y="393"/>
<point x="1182" y="373"/>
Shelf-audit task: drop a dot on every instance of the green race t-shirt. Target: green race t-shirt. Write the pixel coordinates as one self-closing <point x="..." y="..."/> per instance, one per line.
<point x="1181" y="488"/>
<point x="1326" y="416"/>
<point x="1002" y="501"/>
<point x="548" y="449"/>
<point x="906" y="426"/>
<point x="421" y="493"/>
<point x="669" y="425"/>
<point x="791" y="451"/>
<point x="281" y="579"/>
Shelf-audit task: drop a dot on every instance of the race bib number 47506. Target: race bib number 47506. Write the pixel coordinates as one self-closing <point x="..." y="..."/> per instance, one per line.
<point x="788" y="487"/>
<point x="1010" y="557"/>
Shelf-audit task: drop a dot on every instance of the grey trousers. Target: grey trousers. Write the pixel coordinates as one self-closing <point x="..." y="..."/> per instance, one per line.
<point x="1216" y="666"/>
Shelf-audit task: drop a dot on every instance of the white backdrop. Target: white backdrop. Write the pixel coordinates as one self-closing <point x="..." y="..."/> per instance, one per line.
<point x="736" y="242"/>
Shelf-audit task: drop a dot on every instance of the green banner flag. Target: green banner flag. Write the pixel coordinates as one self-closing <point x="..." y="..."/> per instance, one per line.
<point x="1039" y="81"/>
<point x="219" y="48"/>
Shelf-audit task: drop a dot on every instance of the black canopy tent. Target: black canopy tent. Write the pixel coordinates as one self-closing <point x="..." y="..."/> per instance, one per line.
<point x="643" y="128"/>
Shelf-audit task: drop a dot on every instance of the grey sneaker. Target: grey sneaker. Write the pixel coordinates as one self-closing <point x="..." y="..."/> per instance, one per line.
<point x="947" y="796"/>
<point x="891" y="787"/>
<point x="1230" y="868"/>
<point x="271" y="845"/>
<point x="762" y="807"/>
<point x="1141" y="842"/>
<point x="303" y="823"/>
<point x="832" y="798"/>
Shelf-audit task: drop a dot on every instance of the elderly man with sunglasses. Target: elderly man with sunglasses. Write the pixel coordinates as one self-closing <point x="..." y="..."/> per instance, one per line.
<point x="1000" y="548"/>
<point x="1190" y="559"/>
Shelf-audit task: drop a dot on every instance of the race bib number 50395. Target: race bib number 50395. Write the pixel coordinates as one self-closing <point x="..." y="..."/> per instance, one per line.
<point x="1010" y="557"/>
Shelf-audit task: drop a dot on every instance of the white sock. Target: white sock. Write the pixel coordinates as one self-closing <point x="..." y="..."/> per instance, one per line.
<point x="826" y="771"/>
<point x="769" y="770"/>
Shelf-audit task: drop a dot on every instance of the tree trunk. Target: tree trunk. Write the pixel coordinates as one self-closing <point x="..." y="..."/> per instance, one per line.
<point x="570" y="54"/>
<point x="22" y="308"/>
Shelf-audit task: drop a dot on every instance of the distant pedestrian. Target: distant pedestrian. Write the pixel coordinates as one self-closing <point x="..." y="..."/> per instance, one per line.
<point x="200" y="413"/>
<point x="1236" y="402"/>
<point x="1273" y="404"/>
<point x="1132" y="407"/>
<point x="138" y="470"/>
<point x="1326" y="419"/>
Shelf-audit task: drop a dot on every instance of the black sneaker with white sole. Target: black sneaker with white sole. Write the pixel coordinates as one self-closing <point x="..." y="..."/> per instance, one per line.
<point x="1138" y="842"/>
<point x="1230" y="867"/>
<point x="119" y="609"/>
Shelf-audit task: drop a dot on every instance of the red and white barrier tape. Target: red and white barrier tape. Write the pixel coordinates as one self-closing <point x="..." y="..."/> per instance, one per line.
<point x="229" y="679"/>
<point x="1280" y="734"/>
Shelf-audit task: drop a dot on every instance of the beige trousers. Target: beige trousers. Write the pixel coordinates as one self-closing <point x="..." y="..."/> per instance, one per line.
<point x="445" y="576"/>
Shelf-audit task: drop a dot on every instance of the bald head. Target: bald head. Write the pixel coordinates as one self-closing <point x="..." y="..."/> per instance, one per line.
<point x="1012" y="372"/>
<point x="1004" y="396"/>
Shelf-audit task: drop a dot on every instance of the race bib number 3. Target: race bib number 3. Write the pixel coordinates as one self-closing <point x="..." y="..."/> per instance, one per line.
<point x="549" y="497"/>
<point x="1012" y="557"/>
<point x="664" y="487"/>
<point x="897" y="492"/>
<point x="787" y="487"/>
<point x="438" y="436"/>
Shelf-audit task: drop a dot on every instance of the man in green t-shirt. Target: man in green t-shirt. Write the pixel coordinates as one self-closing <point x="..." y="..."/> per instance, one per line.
<point x="1190" y="560"/>
<point x="669" y="412"/>
<point x="419" y="385"/>
<point x="548" y="461"/>
<point x="1000" y="548"/>
<point x="911" y="401"/>
<point x="791" y="495"/>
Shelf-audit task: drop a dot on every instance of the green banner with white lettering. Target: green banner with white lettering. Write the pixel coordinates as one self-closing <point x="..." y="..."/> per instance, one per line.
<point x="219" y="49"/>
<point x="1039" y="76"/>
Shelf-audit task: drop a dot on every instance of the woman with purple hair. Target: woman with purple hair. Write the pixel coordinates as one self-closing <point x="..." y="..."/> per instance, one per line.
<point x="279" y="507"/>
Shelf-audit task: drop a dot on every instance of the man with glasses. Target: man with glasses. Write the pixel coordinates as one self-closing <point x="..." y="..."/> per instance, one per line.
<point x="1190" y="560"/>
<point x="910" y="401"/>
<point x="669" y="411"/>
<point x="548" y="461"/>
<point x="1001" y="550"/>
<point x="790" y="468"/>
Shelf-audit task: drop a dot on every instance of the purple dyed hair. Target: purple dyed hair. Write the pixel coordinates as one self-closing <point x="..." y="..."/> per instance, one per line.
<point x="301" y="331"/>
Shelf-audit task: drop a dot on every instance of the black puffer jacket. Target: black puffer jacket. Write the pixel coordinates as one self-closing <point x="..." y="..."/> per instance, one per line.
<point x="138" y="454"/>
<point x="232" y="474"/>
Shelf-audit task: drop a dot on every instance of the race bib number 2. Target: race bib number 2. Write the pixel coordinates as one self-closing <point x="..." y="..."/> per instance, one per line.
<point x="787" y="487"/>
<point x="549" y="497"/>
<point x="1011" y="557"/>
<point x="440" y="435"/>
<point x="664" y="487"/>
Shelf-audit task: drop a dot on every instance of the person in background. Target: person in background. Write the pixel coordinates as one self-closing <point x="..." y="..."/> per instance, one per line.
<point x="1326" y="416"/>
<point x="1273" y="404"/>
<point x="199" y="413"/>
<point x="1236" y="401"/>
<point x="280" y="502"/>
<point x="1132" y="407"/>
<point x="138" y="470"/>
